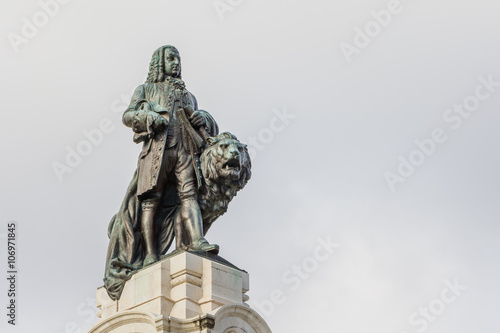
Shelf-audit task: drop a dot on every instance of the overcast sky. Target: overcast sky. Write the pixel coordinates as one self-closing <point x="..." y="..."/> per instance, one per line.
<point x="373" y="126"/>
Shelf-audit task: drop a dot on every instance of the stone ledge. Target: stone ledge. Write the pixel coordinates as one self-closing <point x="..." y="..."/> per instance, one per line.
<point x="182" y="285"/>
<point x="227" y="319"/>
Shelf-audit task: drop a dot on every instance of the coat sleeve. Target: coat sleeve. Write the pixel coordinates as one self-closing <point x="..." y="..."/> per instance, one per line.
<point x="138" y="115"/>
<point x="129" y="114"/>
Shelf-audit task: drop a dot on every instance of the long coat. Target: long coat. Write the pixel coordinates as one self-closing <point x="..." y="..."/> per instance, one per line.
<point x="164" y="98"/>
<point x="125" y="249"/>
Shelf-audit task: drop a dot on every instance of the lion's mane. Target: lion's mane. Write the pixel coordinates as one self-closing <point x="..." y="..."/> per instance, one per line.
<point x="221" y="185"/>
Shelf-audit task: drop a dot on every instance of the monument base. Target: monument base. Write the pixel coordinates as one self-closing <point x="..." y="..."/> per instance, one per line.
<point x="184" y="292"/>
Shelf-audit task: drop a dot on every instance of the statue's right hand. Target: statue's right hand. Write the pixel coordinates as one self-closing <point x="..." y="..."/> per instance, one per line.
<point x="159" y="122"/>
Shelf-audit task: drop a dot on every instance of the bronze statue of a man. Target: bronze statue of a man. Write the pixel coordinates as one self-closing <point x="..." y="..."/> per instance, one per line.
<point x="162" y="199"/>
<point x="166" y="156"/>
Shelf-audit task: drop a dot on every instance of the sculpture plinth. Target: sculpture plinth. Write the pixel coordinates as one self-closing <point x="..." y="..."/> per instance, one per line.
<point x="184" y="292"/>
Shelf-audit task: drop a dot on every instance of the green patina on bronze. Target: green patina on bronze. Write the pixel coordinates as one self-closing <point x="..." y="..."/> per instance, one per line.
<point x="187" y="174"/>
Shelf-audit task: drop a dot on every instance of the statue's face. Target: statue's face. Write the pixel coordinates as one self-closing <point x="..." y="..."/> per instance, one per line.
<point x="172" y="63"/>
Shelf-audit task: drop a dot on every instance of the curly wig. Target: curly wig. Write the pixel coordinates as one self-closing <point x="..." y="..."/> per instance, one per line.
<point x="157" y="64"/>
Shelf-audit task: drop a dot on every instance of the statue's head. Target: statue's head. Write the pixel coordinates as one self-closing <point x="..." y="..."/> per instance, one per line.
<point x="166" y="61"/>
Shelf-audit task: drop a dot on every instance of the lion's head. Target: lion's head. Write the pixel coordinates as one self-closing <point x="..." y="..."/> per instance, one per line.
<point x="225" y="164"/>
<point x="226" y="161"/>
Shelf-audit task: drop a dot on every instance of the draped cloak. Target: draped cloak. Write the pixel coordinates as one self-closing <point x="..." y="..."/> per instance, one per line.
<point x="125" y="250"/>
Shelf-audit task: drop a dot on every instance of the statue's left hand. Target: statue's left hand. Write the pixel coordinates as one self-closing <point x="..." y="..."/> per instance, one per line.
<point x="198" y="119"/>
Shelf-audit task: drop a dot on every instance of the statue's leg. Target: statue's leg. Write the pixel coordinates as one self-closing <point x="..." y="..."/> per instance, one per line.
<point x="189" y="208"/>
<point x="149" y="209"/>
<point x="191" y="216"/>
<point x="206" y="226"/>
<point x="169" y="165"/>
<point x="181" y="239"/>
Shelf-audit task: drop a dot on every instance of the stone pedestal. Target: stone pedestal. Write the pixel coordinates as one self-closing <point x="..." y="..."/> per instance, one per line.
<point x="186" y="292"/>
